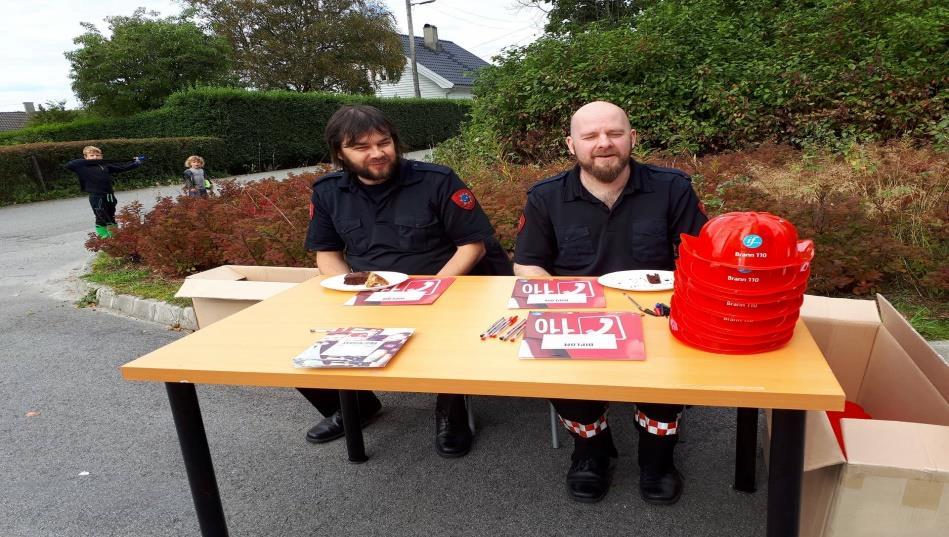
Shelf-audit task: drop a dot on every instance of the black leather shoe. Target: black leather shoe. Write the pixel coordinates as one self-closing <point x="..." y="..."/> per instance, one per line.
<point x="588" y="480"/>
<point x="660" y="487"/>
<point x="452" y="436"/>
<point x="331" y="427"/>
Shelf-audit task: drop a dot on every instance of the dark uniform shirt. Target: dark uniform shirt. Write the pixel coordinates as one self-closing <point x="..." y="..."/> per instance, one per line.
<point x="412" y="223"/>
<point x="94" y="174"/>
<point x="568" y="231"/>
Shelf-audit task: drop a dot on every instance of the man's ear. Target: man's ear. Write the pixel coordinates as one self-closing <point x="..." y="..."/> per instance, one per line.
<point x="569" y="141"/>
<point x="633" y="138"/>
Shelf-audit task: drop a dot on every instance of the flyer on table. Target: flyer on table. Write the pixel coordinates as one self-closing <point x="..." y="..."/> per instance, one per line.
<point x="583" y="336"/>
<point x="354" y="347"/>
<point x="414" y="291"/>
<point x="538" y="294"/>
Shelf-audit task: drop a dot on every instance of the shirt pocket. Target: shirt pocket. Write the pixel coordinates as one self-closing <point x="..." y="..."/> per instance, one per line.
<point x="354" y="235"/>
<point x="417" y="235"/>
<point x="650" y="241"/>
<point x="574" y="246"/>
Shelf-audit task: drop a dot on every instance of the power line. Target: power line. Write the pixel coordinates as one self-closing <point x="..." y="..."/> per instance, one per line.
<point x="502" y="36"/>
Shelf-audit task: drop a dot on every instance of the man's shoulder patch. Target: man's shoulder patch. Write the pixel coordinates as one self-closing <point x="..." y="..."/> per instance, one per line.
<point x="464" y="198"/>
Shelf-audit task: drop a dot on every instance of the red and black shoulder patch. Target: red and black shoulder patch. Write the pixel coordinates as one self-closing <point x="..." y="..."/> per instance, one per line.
<point x="464" y="198"/>
<point x="520" y="223"/>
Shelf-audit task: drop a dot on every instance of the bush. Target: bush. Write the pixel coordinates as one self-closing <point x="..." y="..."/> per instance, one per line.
<point x="877" y="214"/>
<point x="708" y="75"/>
<point x="19" y="180"/>
<point x="262" y="130"/>
<point x="258" y="223"/>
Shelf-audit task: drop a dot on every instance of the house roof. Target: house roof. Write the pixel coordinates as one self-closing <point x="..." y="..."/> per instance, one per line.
<point x="11" y="121"/>
<point x="451" y="62"/>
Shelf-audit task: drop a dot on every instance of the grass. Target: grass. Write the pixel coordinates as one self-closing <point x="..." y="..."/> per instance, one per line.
<point x="929" y="317"/>
<point x="128" y="278"/>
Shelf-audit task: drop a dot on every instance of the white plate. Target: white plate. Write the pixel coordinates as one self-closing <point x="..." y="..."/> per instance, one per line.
<point x="336" y="282"/>
<point x="635" y="280"/>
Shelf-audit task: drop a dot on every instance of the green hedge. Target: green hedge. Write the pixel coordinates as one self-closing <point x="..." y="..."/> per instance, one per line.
<point x="20" y="182"/>
<point x="710" y="75"/>
<point x="262" y="130"/>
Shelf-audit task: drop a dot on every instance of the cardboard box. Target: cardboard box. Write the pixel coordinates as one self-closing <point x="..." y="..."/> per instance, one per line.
<point x="227" y="289"/>
<point x="894" y="479"/>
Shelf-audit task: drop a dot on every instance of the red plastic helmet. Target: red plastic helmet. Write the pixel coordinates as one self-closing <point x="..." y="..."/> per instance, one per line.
<point x="733" y="329"/>
<point x="744" y="280"/>
<point x="735" y="307"/>
<point x="751" y="240"/>
<point x="685" y="332"/>
<point x="758" y="295"/>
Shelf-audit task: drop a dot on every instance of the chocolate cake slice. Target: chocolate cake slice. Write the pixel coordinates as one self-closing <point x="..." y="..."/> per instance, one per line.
<point x="653" y="278"/>
<point x="356" y="278"/>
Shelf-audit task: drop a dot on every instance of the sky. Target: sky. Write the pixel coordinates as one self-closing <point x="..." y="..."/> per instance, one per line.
<point x="38" y="32"/>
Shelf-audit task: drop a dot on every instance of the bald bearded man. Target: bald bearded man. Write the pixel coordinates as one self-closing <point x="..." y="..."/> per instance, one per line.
<point x="609" y="213"/>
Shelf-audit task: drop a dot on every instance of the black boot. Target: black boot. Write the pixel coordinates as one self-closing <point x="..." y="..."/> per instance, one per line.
<point x="659" y="481"/>
<point x="588" y="480"/>
<point x="331" y="427"/>
<point x="452" y="434"/>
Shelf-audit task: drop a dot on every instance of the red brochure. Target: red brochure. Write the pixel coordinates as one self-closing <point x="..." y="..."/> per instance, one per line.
<point x="414" y="291"/>
<point x="583" y="336"/>
<point x="537" y="294"/>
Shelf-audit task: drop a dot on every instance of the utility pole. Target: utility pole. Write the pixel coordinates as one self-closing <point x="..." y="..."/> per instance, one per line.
<point x="408" y="15"/>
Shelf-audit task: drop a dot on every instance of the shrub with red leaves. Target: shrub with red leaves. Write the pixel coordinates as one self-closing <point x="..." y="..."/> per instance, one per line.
<point x="258" y="223"/>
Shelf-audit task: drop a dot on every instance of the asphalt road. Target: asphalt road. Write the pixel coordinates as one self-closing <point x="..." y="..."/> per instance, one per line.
<point x="85" y="453"/>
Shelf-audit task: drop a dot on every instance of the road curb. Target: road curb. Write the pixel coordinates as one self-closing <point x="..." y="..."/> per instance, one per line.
<point x="132" y="306"/>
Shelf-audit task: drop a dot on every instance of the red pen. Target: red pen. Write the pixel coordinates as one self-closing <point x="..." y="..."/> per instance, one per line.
<point x="511" y="320"/>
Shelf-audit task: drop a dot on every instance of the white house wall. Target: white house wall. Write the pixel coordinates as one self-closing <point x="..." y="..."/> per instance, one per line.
<point x="404" y="87"/>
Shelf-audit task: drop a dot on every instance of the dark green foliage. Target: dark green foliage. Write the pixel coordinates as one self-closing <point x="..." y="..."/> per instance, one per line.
<point x="262" y="130"/>
<point x="302" y="45"/>
<point x="707" y="75"/>
<point x="142" y="62"/>
<point x="52" y="113"/>
<point x="166" y="156"/>
<point x="572" y="16"/>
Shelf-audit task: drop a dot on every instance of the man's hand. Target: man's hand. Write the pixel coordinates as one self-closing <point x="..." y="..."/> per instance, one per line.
<point x="530" y="271"/>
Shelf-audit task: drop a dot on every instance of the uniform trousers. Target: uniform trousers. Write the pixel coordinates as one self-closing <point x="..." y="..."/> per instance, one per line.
<point x="586" y="422"/>
<point x="327" y="402"/>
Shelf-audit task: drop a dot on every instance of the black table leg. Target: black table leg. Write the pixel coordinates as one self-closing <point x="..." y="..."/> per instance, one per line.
<point x="194" y="449"/>
<point x="349" y="406"/>
<point x="784" y="477"/>
<point x="746" y="449"/>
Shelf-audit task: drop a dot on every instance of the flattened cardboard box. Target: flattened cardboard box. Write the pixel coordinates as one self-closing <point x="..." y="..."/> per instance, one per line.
<point x="895" y="475"/>
<point x="227" y="289"/>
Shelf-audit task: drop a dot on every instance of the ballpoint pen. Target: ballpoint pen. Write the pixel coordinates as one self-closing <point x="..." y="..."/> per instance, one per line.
<point x="640" y="308"/>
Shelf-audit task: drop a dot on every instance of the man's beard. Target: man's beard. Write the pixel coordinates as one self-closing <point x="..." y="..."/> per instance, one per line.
<point x="367" y="172"/>
<point x="603" y="172"/>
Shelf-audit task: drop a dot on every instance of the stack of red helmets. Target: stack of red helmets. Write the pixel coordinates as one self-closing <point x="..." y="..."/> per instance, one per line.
<point x="739" y="285"/>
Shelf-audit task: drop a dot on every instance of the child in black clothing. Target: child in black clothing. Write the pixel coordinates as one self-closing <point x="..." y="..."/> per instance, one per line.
<point x="95" y="179"/>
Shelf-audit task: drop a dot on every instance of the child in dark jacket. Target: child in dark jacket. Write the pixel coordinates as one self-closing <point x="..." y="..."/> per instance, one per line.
<point x="95" y="179"/>
<point x="197" y="181"/>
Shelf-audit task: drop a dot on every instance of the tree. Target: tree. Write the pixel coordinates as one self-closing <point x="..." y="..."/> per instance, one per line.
<point x="308" y="45"/>
<point x="571" y="16"/>
<point x="143" y="62"/>
<point x="53" y="112"/>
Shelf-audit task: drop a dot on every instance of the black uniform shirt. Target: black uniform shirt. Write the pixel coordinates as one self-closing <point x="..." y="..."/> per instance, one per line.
<point x="413" y="227"/>
<point x="568" y="231"/>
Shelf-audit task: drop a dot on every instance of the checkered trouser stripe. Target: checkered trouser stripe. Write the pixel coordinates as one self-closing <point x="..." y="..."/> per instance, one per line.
<point x="585" y="430"/>
<point x="657" y="428"/>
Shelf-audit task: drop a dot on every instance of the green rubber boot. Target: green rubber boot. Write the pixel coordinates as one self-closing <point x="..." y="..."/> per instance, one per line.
<point x="103" y="232"/>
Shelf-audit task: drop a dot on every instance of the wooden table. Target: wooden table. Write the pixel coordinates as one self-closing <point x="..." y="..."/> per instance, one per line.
<point x="255" y="346"/>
